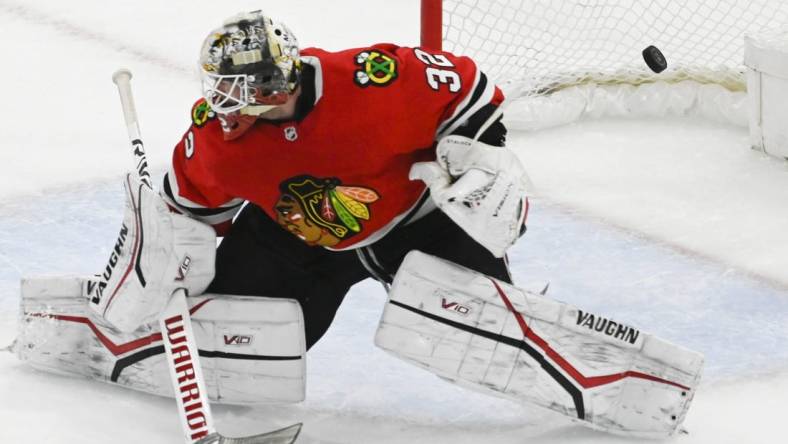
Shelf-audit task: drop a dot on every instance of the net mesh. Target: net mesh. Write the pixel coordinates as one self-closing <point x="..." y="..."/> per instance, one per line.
<point x="545" y="45"/>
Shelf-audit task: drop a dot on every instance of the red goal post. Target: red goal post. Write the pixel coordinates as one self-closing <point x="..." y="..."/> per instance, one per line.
<point x="432" y="24"/>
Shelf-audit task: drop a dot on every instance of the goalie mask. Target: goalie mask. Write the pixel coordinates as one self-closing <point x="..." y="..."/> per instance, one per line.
<point x="249" y="66"/>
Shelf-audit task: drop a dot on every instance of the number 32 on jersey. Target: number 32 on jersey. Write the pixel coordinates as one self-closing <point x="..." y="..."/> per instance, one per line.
<point x="437" y="72"/>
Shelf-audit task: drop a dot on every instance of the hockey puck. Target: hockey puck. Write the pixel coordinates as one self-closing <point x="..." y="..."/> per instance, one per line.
<point x="655" y="59"/>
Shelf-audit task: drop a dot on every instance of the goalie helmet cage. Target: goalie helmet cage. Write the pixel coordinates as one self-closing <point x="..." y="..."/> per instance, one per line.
<point x="548" y="45"/>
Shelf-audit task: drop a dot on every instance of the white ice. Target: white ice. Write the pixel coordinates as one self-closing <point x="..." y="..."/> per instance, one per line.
<point x="673" y="225"/>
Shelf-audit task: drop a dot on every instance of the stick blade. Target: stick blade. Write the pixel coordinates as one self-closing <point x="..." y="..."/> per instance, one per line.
<point x="286" y="435"/>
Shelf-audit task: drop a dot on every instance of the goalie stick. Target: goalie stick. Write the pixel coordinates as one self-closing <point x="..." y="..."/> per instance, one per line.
<point x="176" y="328"/>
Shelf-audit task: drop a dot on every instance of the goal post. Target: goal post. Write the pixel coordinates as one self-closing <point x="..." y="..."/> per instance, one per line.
<point x="432" y="24"/>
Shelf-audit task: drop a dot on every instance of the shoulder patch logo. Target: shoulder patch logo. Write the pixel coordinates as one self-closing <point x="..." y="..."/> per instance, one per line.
<point x="322" y="211"/>
<point x="376" y="69"/>
<point x="202" y="113"/>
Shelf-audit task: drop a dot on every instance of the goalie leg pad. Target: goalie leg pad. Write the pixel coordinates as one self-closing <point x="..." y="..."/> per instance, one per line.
<point x="493" y="337"/>
<point x="252" y="349"/>
<point x="156" y="252"/>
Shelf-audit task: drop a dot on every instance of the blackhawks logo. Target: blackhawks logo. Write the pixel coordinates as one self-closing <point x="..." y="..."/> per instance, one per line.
<point x="322" y="211"/>
<point x="202" y="113"/>
<point x="376" y="69"/>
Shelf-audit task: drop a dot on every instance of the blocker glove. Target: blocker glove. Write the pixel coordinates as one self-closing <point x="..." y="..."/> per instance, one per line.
<point x="482" y="188"/>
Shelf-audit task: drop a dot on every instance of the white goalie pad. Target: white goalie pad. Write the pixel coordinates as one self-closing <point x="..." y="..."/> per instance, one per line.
<point x="493" y="337"/>
<point x="252" y="349"/>
<point x="156" y="252"/>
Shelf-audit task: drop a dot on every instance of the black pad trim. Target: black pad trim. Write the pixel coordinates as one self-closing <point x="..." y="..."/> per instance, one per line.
<point x="127" y="361"/>
<point x="563" y="381"/>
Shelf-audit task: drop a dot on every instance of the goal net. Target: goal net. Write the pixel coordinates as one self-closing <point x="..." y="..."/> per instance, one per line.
<point x="544" y="46"/>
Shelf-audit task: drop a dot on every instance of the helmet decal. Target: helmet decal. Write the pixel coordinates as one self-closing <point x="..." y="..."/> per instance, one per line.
<point x="249" y="65"/>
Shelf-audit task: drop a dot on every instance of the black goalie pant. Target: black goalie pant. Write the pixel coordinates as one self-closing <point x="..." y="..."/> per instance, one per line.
<point x="260" y="258"/>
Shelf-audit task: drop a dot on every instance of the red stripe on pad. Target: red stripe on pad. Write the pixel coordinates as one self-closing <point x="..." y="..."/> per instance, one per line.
<point x="134" y="252"/>
<point x="115" y="349"/>
<point x="585" y="381"/>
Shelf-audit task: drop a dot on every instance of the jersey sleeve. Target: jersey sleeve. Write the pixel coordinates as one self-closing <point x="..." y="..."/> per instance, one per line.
<point x="189" y="187"/>
<point x="467" y="96"/>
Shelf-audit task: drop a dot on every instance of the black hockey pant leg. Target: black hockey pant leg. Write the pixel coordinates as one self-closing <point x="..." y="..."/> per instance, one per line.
<point x="259" y="258"/>
<point x="436" y="234"/>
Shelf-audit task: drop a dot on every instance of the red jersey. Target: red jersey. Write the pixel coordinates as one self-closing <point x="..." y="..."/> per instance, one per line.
<point x="337" y="174"/>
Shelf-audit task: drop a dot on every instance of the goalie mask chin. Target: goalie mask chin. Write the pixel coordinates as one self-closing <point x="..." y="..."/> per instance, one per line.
<point x="248" y="67"/>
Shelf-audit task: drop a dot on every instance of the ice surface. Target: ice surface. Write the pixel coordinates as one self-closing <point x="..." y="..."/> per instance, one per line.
<point x="351" y="384"/>
<point x="691" y="184"/>
<point x="671" y="225"/>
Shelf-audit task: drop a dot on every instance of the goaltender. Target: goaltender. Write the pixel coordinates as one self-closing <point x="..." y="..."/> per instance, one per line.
<point x="319" y="170"/>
